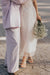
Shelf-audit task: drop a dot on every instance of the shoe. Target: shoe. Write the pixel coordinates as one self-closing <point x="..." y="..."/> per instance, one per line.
<point x="16" y="73"/>
<point x="13" y="73"/>
<point x="30" y="60"/>
<point x="5" y="66"/>
<point x="22" y="65"/>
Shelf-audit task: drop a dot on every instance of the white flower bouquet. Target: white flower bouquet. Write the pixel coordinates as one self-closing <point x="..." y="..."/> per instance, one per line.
<point x="39" y="30"/>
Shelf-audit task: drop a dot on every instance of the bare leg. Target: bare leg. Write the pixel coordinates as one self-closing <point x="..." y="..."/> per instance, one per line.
<point x="23" y="64"/>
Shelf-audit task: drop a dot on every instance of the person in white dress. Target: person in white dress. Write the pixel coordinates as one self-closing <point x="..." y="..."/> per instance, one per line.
<point x="28" y="43"/>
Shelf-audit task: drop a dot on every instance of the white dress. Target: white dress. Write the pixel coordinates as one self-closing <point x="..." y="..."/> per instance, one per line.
<point x="28" y="43"/>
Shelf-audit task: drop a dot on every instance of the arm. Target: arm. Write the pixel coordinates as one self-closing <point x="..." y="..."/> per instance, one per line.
<point x="36" y="8"/>
<point x="19" y="1"/>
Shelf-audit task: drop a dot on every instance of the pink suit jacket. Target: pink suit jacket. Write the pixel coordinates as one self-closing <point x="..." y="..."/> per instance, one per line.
<point x="11" y="13"/>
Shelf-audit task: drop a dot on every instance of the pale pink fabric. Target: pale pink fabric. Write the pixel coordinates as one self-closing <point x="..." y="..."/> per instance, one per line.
<point x="11" y="13"/>
<point x="19" y="1"/>
<point x="13" y="46"/>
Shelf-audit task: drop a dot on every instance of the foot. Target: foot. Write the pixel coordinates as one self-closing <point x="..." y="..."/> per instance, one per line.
<point x="23" y="64"/>
<point x="11" y="74"/>
<point x="5" y="66"/>
<point x="16" y="73"/>
<point x="30" y="60"/>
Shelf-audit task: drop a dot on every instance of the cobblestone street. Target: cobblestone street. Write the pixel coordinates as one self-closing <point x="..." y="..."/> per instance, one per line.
<point x="41" y="64"/>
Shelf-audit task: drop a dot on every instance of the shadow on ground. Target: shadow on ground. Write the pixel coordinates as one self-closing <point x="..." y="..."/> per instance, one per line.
<point x="31" y="68"/>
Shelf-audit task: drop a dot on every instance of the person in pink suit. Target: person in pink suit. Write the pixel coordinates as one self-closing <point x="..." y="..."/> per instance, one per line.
<point x="11" y="22"/>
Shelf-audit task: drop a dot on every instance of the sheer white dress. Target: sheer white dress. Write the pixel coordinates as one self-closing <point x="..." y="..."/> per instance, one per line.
<point x="28" y="15"/>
